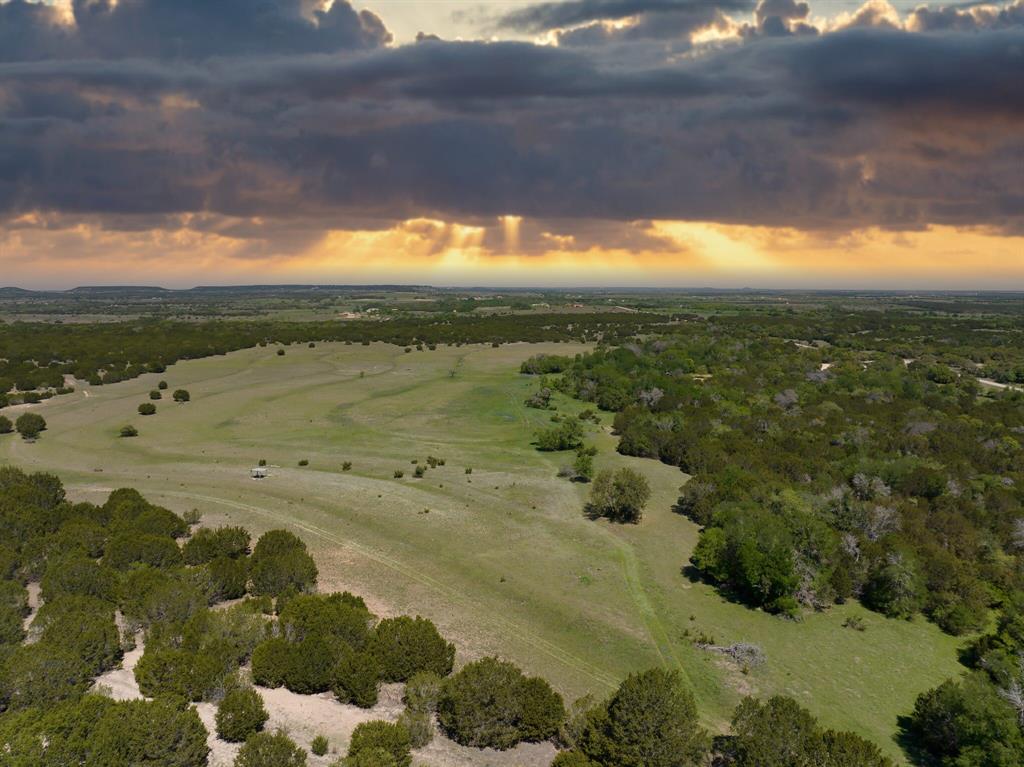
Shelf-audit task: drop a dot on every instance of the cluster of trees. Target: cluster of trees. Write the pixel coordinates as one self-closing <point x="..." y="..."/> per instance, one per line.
<point x="28" y="425"/>
<point x="35" y="357"/>
<point x="833" y="455"/>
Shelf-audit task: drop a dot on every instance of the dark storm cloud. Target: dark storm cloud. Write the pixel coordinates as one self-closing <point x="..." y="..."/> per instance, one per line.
<point x="831" y="131"/>
<point x="558" y="15"/>
<point x="182" y="29"/>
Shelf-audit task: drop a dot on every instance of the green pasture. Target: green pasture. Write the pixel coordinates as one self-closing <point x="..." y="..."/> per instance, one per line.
<point x="502" y="558"/>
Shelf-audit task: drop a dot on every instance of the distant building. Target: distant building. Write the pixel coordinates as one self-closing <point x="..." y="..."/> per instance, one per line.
<point x="259" y="472"/>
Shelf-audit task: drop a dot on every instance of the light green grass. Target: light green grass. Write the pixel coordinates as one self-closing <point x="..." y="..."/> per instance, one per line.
<point x="504" y="561"/>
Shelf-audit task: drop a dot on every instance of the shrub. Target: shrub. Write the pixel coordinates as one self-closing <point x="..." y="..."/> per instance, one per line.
<point x="312" y="665"/>
<point x="6" y="427"/>
<point x="419" y="471"/>
<point x="207" y="544"/>
<point x="420" y="726"/>
<point x="650" y="721"/>
<point x="573" y="759"/>
<point x="399" y="474"/>
<point x="129" y="431"/>
<point x="356" y="678"/>
<point x="280" y="352"/>
<point x="162" y="385"/>
<point x="371" y="757"/>
<point x="320" y="743"/>
<point x="422" y="692"/>
<point x="273" y="575"/>
<point x="489" y="703"/>
<point x="566" y="436"/>
<point x="228" y="578"/>
<point x="155" y="394"/>
<point x="75" y="574"/>
<point x="147" y="408"/>
<point x="340" y="615"/>
<point x="128" y="548"/>
<point x="346" y="466"/>
<point x="83" y="625"/>
<point x="304" y="462"/>
<point x="407" y="645"/>
<point x="270" y="750"/>
<point x="181" y="395"/>
<point x="152" y="733"/>
<point x="271" y="662"/>
<point x="619" y="496"/>
<point x="240" y="714"/>
<point x="29" y="425"/>
<point x="40" y="675"/>
<point x="469" y="469"/>
<point x="392" y="738"/>
<point x="185" y="674"/>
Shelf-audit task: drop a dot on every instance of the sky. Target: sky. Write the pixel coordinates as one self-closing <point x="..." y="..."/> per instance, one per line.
<point x="730" y="143"/>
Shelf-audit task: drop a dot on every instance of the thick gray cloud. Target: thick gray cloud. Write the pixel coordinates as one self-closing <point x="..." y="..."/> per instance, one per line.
<point x="831" y="131"/>
<point x="182" y="29"/>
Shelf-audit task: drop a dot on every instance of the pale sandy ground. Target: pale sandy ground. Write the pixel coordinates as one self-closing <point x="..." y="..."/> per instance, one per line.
<point x="996" y="384"/>
<point x="304" y="717"/>
<point x="33" y="604"/>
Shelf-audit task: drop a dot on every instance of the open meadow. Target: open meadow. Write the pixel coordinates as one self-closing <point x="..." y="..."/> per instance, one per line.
<point x="502" y="558"/>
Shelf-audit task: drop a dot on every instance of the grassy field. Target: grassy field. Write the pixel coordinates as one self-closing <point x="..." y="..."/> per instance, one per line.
<point x="503" y="558"/>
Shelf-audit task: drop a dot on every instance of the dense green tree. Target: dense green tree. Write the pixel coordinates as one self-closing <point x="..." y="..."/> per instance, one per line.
<point x="6" y="427"/>
<point x="356" y="677"/>
<point x="265" y="749"/>
<point x="207" y="544"/>
<point x="650" y="721"/>
<point x="275" y="574"/>
<point x="968" y="724"/>
<point x="489" y="703"/>
<point x="149" y="733"/>
<point x="422" y="691"/>
<point x="181" y="395"/>
<point x="392" y="738"/>
<point x="240" y="714"/>
<point x="774" y="733"/>
<point x="407" y="645"/>
<point x="77" y="575"/>
<point x="271" y="662"/>
<point x="191" y="675"/>
<point x="84" y="626"/>
<point x="619" y="495"/>
<point x="128" y="548"/>
<point x="228" y="578"/>
<point x="340" y="615"/>
<point x="30" y="425"/>
<point x="147" y="408"/>
<point x="41" y="674"/>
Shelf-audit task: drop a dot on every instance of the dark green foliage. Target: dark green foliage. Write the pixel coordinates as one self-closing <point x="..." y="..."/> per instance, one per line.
<point x="312" y="664"/>
<point x="6" y="427"/>
<point x="392" y="738"/>
<point x="357" y="677"/>
<point x="13" y="609"/>
<point x="128" y="431"/>
<point x="30" y="425"/>
<point x="154" y="734"/>
<point x="206" y="544"/>
<point x="155" y="394"/>
<point x="228" y="578"/>
<point x="750" y="550"/>
<point x="573" y="759"/>
<point x="650" y="721"/>
<point x="181" y="395"/>
<point x="370" y="757"/>
<point x="775" y="733"/>
<point x="129" y="548"/>
<point x="151" y="596"/>
<point x="265" y="749"/>
<point x="162" y="385"/>
<point x="77" y="575"/>
<point x="542" y="364"/>
<point x="320" y="743"/>
<point x="41" y="674"/>
<point x="566" y="436"/>
<point x="780" y="733"/>
<point x="420" y="726"/>
<point x="280" y="561"/>
<point x="343" y="616"/>
<point x="271" y="662"/>
<point x="240" y="714"/>
<point x="186" y="674"/>
<point x="405" y="646"/>
<point x="490" y="703"/>
<point x="273" y="575"/>
<point x="895" y="589"/>
<point x="968" y="724"/>
<point x="84" y="626"/>
<point x="619" y="495"/>
<point x="422" y="692"/>
<point x="147" y="408"/>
